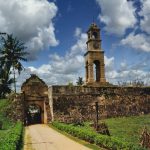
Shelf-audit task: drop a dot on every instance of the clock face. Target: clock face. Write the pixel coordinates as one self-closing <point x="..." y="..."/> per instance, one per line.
<point x="96" y="45"/>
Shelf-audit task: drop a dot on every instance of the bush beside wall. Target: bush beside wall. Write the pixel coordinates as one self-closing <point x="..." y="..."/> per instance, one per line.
<point x="13" y="138"/>
<point x="110" y="143"/>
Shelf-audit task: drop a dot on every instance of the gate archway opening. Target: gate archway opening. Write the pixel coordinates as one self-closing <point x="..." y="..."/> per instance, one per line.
<point x="34" y="114"/>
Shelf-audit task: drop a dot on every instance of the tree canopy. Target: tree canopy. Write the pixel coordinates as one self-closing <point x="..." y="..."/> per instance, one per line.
<point x="12" y="52"/>
<point x="80" y="81"/>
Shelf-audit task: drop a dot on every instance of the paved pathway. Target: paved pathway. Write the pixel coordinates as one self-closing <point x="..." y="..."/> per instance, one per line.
<point x="42" y="137"/>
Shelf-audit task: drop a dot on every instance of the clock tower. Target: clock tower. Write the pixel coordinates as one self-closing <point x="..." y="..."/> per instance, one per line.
<point x="94" y="58"/>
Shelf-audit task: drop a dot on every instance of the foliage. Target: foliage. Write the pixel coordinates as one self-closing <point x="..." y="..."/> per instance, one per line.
<point x="80" y="81"/>
<point x="76" y="139"/>
<point x="3" y="104"/>
<point x="5" y="82"/>
<point x="93" y="137"/>
<point x="70" y="84"/>
<point x="10" y="135"/>
<point x="6" y="122"/>
<point x="11" y="53"/>
<point x="11" y="140"/>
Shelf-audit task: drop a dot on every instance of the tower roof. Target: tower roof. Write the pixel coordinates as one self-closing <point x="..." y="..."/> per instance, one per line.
<point x="93" y="26"/>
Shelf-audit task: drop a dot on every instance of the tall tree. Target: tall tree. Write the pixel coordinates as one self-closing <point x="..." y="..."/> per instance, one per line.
<point x="12" y="52"/>
<point x="5" y="82"/>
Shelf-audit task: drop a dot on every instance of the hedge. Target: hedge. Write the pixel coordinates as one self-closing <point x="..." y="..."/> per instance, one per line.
<point x="13" y="138"/>
<point x="105" y="141"/>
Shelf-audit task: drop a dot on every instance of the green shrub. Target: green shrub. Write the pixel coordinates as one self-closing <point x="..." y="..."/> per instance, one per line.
<point x="12" y="139"/>
<point x="99" y="139"/>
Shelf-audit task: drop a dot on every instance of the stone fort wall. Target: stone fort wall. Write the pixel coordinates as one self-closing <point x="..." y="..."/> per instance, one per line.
<point x="67" y="101"/>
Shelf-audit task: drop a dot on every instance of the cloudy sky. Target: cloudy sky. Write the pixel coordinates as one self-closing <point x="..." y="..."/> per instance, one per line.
<point x="55" y="34"/>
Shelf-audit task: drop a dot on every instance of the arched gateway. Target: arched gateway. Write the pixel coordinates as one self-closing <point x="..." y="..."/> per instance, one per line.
<point x="36" y="102"/>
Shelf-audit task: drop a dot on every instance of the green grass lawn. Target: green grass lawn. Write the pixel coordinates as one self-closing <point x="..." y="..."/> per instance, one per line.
<point x="128" y="128"/>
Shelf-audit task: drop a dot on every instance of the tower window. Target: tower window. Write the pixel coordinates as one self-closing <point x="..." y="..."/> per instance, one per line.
<point x="95" y="35"/>
<point x="96" y="70"/>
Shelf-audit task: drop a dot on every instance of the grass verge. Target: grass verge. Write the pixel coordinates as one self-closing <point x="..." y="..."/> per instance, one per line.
<point x="90" y="136"/>
<point x="89" y="145"/>
<point x="11" y="132"/>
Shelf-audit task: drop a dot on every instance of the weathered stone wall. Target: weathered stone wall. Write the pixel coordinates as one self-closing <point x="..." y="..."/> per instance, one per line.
<point x="15" y="110"/>
<point x="113" y="101"/>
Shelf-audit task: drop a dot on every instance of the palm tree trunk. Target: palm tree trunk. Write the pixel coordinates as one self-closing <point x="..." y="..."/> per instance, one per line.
<point x="14" y="79"/>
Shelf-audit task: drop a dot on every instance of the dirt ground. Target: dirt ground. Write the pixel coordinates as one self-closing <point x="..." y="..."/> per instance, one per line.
<point x="42" y="137"/>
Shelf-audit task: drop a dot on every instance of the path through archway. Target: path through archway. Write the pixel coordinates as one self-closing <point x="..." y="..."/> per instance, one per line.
<point x="34" y="114"/>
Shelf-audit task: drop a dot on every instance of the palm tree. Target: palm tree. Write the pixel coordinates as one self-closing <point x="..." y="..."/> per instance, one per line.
<point x="5" y="82"/>
<point x="11" y="53"/>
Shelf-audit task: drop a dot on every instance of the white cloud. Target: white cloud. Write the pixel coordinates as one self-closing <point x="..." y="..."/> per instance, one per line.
<point x="131" y="75"/>
<point x="78" y="32"/>
<point x="62" y="69"/>
<point x="110" y="72"/>
<point x="118" y="15"/>
<point x="123" y="64"/>
<point x="125" y="73"/>
<point x="30" y="21"/>
<point x="145" y="12"/>
<point x="138" y="41"/>
<point x="109" y="63"/>
<point x="80" y="46"/>
<point x="73" y="62"/>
